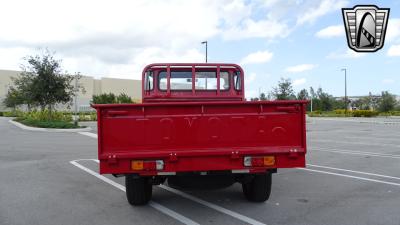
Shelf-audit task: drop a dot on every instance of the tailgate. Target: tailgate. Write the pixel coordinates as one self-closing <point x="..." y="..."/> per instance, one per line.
<point x="203" y="129"/>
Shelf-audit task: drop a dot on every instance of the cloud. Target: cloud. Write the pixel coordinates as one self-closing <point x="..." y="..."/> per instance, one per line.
<point x="331" y="31"/>
<point x="119" y="39"/>
<point x="250" y="28"/>
<point x="249" y="78"/>
<point x="393" y="29"/>
<point x="257" y="57"/>
<point x="394" y="50"/>
<point x="300" y="68"/>
<point x="349" y="54"/>
<point x="236" y="11"/>
<point x="298" y="82"/>
<point x="114" y="38"/>
<point x="388" y="81"/>
<point x="313" y="13"/>
<point x="251" y="93"/>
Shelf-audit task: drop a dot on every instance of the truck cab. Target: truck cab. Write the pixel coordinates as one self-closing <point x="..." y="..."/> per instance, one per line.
<point x="184" y="82"/>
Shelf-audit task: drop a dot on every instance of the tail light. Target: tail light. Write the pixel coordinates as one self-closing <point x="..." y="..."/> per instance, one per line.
<point x="147" y="165"/>
<point x="259" y="161"/>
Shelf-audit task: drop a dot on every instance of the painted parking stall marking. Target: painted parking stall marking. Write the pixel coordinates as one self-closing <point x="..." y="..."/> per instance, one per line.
<point x="354" y="152"/>
<point x="153" y="204"/>
<point x="340" y="172"/>
<point x="354" y="171"/>
<point x="172" y="190"/>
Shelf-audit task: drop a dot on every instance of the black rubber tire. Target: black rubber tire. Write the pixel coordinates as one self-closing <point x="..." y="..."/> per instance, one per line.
<point x="259" y="188"/>
<point x="138" y="190"/>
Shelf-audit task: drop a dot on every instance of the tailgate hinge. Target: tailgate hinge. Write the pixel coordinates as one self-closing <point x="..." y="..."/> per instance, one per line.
<point x="112" y="159"/>
<point x="173" y="157"/>
<point x="235" y="155"/>
<point x="293" y="153"/>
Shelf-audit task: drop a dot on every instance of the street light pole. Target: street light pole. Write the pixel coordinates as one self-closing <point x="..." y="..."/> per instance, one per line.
<point x="76" y="100"/>
<point x="345" y="89"/>
<point x="205" y="42"/>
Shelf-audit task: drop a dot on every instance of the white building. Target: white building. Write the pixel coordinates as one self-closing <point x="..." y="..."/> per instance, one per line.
<point x="91" y="85"/>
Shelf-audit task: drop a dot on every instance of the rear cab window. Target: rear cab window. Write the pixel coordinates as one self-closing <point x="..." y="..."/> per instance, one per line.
<point x="204" y="80"/>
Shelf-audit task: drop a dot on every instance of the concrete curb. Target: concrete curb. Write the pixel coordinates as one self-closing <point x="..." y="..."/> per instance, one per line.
<point x="24" y="127"/>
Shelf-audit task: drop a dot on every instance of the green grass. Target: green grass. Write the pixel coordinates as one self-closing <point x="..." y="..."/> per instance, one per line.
<point x="47" y="124"/>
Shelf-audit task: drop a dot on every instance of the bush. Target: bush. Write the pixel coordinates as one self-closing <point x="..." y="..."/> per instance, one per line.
<point x="111" y="98"/>
<point x="15" y="113"/>
<point x="124" y="98"/>
<point x="87" y="116"/>
<point x="46" y="119"/>
<point x="390" y="113"/>
<point x="46" y="115"/>
<point x="316" y="113"/>
<point x="93" y="116"/>
<point x="395" y="113"/>
<point x="364" y="113"/>
<point x="340" y="111"/>
<point x="1" y="113"/>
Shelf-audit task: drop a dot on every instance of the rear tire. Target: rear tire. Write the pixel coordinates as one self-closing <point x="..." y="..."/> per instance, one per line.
<point x="258" y="189"/>
<point x="138" y="189"/>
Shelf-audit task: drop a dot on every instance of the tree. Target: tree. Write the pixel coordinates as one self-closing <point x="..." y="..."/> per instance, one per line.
<point x="13" y="99"/>
<point x="326" y="100"/>
<point x="303" y="95"/>
<point x="338" y="104"/>
<point x="284" y="90"/>
<point x="254" y="99"/>
<point x="42" y="82"/>
<point x="387" y="102"/>
<point x="312" y="92"/>
<point x="263" y="97"/>
<point x="363" y="103"/>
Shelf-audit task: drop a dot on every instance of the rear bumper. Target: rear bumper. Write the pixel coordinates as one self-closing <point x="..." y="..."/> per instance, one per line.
<point x="177" y="163"/>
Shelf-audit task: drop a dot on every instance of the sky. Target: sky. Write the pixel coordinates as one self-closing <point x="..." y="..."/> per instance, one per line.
<point x="303" y="40"/>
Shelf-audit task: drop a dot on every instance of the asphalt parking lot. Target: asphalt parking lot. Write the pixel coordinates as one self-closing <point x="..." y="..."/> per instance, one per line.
<point x="352" y="177"/>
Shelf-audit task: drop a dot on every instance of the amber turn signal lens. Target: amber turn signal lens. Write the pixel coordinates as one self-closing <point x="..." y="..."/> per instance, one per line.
<point x="137" y="165"/>
<point x="269" y="160"/>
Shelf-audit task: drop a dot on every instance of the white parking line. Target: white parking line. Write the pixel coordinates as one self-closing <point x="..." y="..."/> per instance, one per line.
<point x="213" y="206"/>
<point x="354" y="171"/>
<point x="198" y="200"/>
<point x="153" y="204"/>
<point x="353" y="177"/>
<point x="90" y="134"/>
<point x="352" y="152"/>
<point x="210" y="205"/>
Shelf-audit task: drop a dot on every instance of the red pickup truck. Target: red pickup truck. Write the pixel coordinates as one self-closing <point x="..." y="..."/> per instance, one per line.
<point x="195" y="126"/>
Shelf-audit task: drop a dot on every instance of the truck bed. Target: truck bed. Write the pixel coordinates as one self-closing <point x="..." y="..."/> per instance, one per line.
<point x="200" y="136"/>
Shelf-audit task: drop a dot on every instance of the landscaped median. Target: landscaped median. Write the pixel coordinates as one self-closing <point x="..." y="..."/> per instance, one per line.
<point x="352" y="113"/>
<point x="45" y="119"/>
